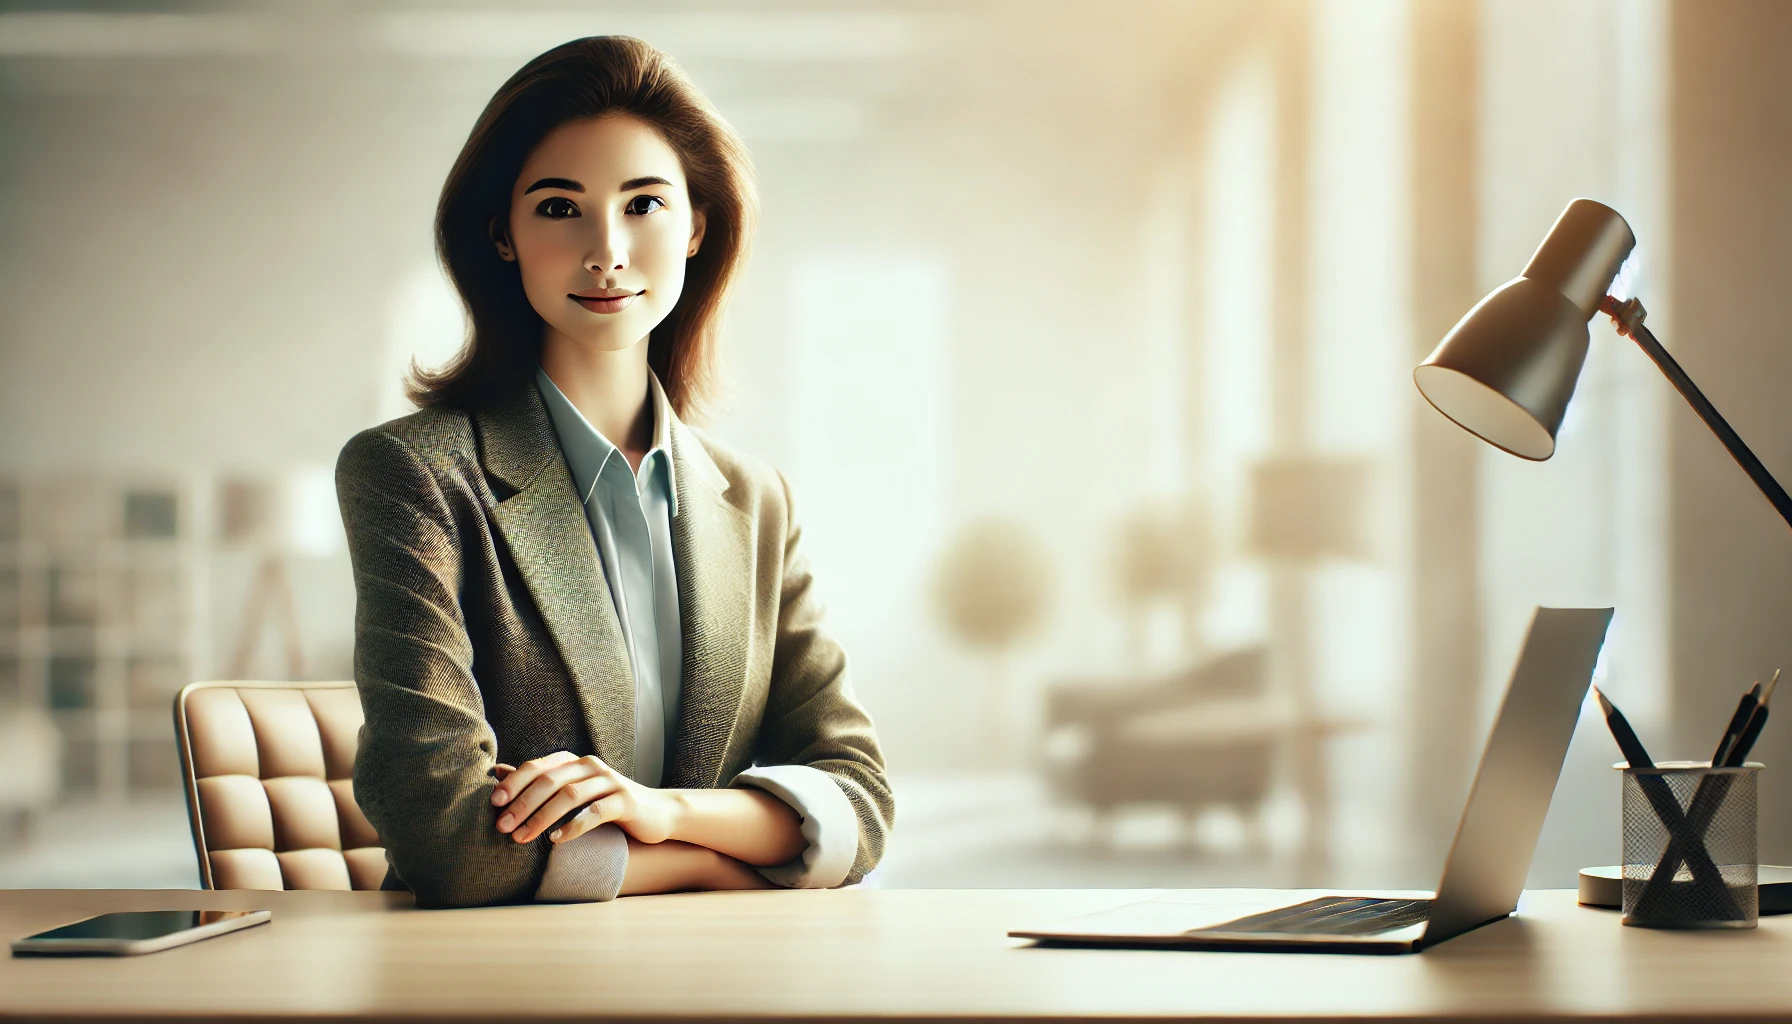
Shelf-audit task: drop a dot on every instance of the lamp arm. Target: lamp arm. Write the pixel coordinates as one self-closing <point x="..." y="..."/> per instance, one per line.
<point x="1629" y="317"/>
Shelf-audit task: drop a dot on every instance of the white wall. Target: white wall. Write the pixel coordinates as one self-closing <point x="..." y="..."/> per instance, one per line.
<point x="202" y="260"/>
<point x="1569" y="108"/>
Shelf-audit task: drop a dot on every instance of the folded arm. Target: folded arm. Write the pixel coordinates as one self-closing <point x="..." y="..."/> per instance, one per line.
<point x="566" y="797"/>
<point x="611" y="836"/>
<point x="424" y="770"/>
<point x="817" y="750"/>
<point x="606" y="863"/>
<point x="683" y="867"/>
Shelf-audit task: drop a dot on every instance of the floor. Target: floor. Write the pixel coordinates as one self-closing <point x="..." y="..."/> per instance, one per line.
<point x="983" y="831"/>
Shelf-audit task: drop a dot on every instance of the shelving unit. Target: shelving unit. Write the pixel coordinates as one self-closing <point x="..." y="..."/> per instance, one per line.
<point x="100" y="606"/>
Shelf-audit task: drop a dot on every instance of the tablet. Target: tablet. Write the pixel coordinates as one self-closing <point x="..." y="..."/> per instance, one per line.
<point x="133" y="932"/>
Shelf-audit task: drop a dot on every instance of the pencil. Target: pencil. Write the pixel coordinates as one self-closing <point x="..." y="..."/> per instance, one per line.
<point x="1628" y="744"/>
<point x="1745" y="710"/>
<point x="1752" y="732"/>
<point x="1732" y="750"/>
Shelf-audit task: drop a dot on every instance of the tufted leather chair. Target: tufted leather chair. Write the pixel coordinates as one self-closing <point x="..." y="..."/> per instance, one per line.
<point x="268" y="770"/>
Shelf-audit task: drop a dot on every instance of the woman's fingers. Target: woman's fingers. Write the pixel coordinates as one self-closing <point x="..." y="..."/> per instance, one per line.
<point x="526" y="806"/>
<point x="524" y="774"/>
<point x="546" y="783"/>
<point x="501" y="770"/>
<point x="569" y="798"/>
<point x="597" y="812"/>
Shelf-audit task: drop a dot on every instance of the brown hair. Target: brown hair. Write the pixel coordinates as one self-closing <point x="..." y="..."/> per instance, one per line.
<point x="575" y="81"/>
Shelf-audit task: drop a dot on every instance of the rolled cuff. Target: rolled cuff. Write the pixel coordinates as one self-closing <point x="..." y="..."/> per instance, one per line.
<point x="830" y="825"/>
<point x="587" y="869"/>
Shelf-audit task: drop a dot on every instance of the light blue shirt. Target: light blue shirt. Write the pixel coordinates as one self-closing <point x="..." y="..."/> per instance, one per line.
<point x="630" y="512"/>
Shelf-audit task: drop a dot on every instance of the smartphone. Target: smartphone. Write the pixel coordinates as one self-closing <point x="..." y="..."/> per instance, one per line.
<point x="138" y="931"/>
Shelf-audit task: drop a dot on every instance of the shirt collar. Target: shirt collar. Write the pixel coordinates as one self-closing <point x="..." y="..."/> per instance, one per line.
<point x="587" y="450"/>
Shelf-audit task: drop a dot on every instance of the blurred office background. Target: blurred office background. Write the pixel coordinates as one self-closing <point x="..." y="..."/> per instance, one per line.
<point x="1084" y="332"/>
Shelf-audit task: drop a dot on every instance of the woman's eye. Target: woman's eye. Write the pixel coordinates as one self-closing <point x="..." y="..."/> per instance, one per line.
<point x="559" y="208"/>
<point x="643" y="204"/>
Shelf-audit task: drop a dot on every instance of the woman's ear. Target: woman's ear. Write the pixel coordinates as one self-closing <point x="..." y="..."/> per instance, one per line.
<point x="501" y="239"/>
<point x="697" y="224"/>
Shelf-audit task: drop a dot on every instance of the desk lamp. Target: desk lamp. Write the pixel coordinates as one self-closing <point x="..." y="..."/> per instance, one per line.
<point x="1506" y="371"/>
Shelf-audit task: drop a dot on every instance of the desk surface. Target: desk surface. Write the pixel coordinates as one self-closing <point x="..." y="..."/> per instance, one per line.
<point x="856" y="954"/>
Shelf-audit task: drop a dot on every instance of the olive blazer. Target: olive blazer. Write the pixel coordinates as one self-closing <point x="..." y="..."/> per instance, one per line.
<point x="485" y="632"/>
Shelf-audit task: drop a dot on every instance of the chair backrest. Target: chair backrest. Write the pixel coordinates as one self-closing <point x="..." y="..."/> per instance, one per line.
<point x="269" y="773"/>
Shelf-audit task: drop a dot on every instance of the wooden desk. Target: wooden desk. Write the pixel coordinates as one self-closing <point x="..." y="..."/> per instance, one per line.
<point x="859" y="954"/>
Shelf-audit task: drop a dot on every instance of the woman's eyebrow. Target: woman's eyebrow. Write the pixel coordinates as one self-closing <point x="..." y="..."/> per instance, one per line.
<point x="567" y="184"/>
<point x="634" y="183"/>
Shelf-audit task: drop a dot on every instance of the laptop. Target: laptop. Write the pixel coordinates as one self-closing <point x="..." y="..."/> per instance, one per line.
<point x="1483" y="874"/>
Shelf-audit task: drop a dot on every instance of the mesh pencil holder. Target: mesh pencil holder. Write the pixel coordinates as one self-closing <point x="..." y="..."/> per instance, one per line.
<point x="1689" y="846"/>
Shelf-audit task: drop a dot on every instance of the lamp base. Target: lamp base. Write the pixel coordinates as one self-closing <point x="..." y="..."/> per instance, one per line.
<point x="1604" y="887"/>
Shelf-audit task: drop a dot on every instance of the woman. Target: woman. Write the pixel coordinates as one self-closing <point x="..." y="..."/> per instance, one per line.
<point x="587" y="644"/>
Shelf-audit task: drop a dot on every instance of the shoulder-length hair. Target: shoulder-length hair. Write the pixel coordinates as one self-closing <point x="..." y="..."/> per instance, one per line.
<point x="584" y="79"/>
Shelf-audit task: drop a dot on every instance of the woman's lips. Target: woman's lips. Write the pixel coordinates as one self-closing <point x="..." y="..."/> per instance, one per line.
<point x="615" y="305"/>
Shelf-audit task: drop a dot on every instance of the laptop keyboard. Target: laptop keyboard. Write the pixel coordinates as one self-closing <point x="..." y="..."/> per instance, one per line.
<point x="1330" y="915"/>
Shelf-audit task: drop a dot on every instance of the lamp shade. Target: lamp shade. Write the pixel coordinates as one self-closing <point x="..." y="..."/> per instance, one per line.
<point x="1507" y="370"/>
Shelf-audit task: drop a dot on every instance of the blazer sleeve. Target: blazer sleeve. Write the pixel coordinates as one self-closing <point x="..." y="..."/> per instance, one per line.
<point x="424" y="768"/>
<point x="811" y="717"/>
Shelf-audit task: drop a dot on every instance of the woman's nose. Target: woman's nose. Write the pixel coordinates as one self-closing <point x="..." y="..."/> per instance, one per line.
<point x="609" y="249"/>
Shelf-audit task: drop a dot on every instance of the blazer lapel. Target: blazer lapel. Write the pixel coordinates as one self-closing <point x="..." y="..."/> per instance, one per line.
<point x="544" y="525"/>
<point x="712" y="550"/>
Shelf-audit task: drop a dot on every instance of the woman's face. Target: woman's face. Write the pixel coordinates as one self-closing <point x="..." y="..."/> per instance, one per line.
<point x="600" y="228"/>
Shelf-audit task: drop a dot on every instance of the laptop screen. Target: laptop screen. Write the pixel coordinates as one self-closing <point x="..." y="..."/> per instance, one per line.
<point x="1488" y="862"/>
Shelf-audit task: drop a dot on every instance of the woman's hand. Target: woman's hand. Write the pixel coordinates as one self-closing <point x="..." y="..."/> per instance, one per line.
<point x="538" y="793"/>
